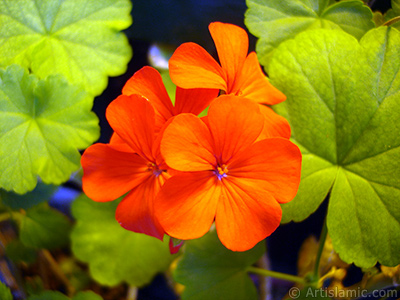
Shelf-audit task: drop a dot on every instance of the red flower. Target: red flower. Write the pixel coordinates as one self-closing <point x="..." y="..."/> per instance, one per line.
<point x="130" y="163"/>
<point x="228" y="176"/>
<point x="239" y="74"/>
<point x="148" y="83"/>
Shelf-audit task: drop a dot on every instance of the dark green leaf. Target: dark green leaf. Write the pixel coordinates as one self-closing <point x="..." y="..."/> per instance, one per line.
<point x="52" y="295"/>
<point x="114" y="254"/>
<point x="44" y="227"/>
<point x="89" y="295"/>
<point x="41" y="193"/>
<point x="49" y="295"/>
<point x="17" y="252"/>
<point x="396" y="6"/>
<point x="210" y="271"/>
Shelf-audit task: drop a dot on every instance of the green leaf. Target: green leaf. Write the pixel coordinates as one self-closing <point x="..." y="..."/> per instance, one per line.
<point x="378" y="18"/>
<point x="317" y="178"/>
<point x="44" y="227"/>
<point x="52" y="295"/>
<point x="79" y="39"/>
<point x="89" y="295"/>
<point x="41" y="193"/>
<point x="210" y="271"/>
<point x="114" y="254"/>
<point x="396" y="6"/>
<point x="43" y="123"/>
<point x="274" y="22"/>
<point x="169" y="85"/>
<point x="17" y="252"/>
<point x="171" y="89"/>
<point x="5" y="293"/>
<point x="343" y="101"/>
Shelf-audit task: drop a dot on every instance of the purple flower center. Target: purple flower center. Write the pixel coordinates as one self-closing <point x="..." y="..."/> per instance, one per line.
<point x="152" y="167"/>
<point x="221" y="171"/>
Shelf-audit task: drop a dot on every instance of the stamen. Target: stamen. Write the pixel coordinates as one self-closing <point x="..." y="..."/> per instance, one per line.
<point x="152" y="167"/>
<point x="221" y="171"/>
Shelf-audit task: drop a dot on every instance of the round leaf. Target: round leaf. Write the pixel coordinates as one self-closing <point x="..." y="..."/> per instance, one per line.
<point x="272" y="22"/>
<point x="43" y="123"/>
<point x="44" y="227"/>
<point x="344" y="105"/>
<point x="210" y="271"/>
<point x="79" y="39"/>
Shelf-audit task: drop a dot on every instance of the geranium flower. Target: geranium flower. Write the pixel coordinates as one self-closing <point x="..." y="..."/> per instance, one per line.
<point x="148" y="83"/>
<point x="228" y="176"/>
<point x="239" y="74"/>
<point x="130" y="163"/>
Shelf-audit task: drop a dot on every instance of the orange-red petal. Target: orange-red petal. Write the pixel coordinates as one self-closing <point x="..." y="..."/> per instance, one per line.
<point x="246" y="214"/>
<point x="109" y="173"/>
<point x="136" y="210"/>
<point x="253" y="84"/>
<point x="192" y="67"/>
<point x="119" y="143"/>
<point x="235" y="123"/>
<point x="232" y="44"/>
<point x="187" y="144"/>
<point x="193" y="100"/>
<point x="186" y="204"/>
<point x="133" y="119"/>
<point x="159" y="159"/>
<point x="148" y="83"/>
<point x="274" y="124"/>
<point x="275" y="161"/>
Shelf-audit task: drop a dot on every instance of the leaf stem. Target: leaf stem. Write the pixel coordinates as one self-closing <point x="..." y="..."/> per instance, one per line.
<point x="391" y="21"/>
<point x="278" y="275"/>
<point x="57" y="271"/>
<point x="322" y="240"/>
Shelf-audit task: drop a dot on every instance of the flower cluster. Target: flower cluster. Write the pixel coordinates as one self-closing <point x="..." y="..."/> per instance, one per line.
<point x="182" y="173"/>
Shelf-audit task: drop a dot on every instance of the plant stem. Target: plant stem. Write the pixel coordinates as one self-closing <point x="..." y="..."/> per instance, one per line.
<point x="57" y="271"/>
<point x="322" y="240"/>
<point x="132" y="293"/>
<point x="277" y="275"/>
<point x="391" y="21"/>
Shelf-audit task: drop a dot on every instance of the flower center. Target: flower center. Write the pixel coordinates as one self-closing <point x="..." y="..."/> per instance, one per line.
<point x="152" y="167"/>
<point x="221" y="171"/>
